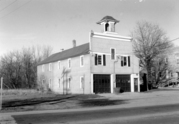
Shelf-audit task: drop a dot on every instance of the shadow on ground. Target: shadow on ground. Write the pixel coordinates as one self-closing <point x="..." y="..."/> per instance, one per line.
<point x="49" y="100"/>
<point x="101" y="102"/>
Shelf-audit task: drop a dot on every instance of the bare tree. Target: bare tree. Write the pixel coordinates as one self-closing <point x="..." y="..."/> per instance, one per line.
<point x="19" y="68"/>
<point x="149" y="41"/>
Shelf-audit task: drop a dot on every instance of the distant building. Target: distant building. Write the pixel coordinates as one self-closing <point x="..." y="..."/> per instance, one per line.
<point x="172" y="60"/>
<point x="107" y="61"/>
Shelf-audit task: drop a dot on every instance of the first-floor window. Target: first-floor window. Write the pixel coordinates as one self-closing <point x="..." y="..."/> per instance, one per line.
<point x="81" y="82"/>
<point x="43" y="81"/>
<point x="177" y="61"/>
<point x="68" y="83"/>
<point x="50" y="83"/>
<point x="100" y="59"/>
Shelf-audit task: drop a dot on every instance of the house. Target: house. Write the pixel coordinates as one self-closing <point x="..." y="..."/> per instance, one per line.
<point x="172" y="60"/>
<point x="106" y="62"/>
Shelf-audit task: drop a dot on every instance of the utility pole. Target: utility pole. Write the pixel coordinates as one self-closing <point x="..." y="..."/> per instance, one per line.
<point x="1" y="93"/>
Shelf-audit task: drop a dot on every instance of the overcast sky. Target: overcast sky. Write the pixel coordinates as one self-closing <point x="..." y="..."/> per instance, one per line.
<point x="56" y="23"/>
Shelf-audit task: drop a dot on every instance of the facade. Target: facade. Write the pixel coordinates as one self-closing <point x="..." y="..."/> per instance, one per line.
<point x="106" y="62"/>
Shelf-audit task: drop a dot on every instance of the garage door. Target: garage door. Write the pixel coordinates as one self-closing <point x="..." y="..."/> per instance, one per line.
<point x="123" y="81"/>
<point x="101" y="83"/>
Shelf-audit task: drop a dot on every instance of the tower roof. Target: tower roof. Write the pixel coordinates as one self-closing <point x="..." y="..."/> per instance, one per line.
<point x="107" y="19"/>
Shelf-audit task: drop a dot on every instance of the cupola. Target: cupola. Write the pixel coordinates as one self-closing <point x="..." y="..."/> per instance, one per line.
<point x="108" y="23"/>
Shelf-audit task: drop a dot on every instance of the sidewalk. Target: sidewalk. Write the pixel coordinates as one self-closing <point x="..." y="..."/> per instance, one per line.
<point x="165" y="96"/>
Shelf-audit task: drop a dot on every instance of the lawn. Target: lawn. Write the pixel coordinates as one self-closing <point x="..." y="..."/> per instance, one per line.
<point x="30" y="100"/>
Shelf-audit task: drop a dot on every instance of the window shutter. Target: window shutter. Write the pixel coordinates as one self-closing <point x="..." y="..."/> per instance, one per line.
<point x="96" y="59"/>
<point x="122" y="61"/>
<point x="129" y="64"/>
<point x="104" y="60"/>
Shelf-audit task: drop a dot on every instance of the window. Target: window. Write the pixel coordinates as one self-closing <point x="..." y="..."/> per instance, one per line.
<point x="68" y="83"/>
<point x="100" y="59"/>
<point x="113" y="54"/>
<point x="81" y="82"/>
<point x="81" y="61"/>
<point x="125" y="61"/>
<point x="59" y="82"/>
<point x="43" y="82"/>
<point x="106" y="27"/>
<point x="59" y="64"/>
<point x="69" y="63"/>
<point x="50" y="83"/>
<point x="50" y="66"/>
<point x="177" y="61"/>
<point x="42" y="68"/>
<point x="166" y="60"/>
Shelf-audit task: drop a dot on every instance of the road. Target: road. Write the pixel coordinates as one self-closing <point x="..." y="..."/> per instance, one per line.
<point x="163" y="114"/>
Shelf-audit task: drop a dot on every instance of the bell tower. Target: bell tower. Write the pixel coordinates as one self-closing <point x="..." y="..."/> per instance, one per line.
<point x="108" y="23"/>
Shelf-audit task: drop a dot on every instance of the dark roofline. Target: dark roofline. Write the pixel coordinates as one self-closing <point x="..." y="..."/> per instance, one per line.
<point x="69" y="53"/>
<point x="107" y="19"/>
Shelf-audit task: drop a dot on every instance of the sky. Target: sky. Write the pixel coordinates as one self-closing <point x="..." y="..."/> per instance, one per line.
<point x="26" y="23"/>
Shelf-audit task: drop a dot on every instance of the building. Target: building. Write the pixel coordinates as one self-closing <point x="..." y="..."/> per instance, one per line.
<point x="106" y="62"/>
<point x="172" y="60"/>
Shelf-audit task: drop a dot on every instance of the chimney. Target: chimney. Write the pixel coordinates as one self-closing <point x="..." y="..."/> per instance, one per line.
<point x="74" y="43"/>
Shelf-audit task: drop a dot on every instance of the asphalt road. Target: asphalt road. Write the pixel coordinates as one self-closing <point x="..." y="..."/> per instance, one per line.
<point x="165" y="114"/>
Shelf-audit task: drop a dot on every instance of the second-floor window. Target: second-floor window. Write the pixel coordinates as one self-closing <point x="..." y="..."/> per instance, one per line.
<point x="50" y="66"/>
<point x="69" y="63"/>
<point x="113" y="52"/>
<point x="59" y="64"/>
<point x="81" y="61"/>
<point x="100" y="59"/>
<point x="125" y="61"/>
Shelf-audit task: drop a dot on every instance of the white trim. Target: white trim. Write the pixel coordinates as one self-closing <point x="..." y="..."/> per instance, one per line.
<point x="99" y="53"/>
<point x="59" y="64"/>
<point x="69" y="63"/>
<point x="92" y="83"/>
<point x="113" y="36"/>
<point x="81" y="57"/>
<point x="50" y="66"/>
<point x="112" y="83"/>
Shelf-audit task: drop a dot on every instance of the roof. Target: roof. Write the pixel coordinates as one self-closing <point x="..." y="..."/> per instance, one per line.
<point x="107" y="19"/>
<point x="70" y="53"/>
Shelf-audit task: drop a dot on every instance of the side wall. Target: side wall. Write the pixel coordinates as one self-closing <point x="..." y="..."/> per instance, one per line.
<point x="60" y="76"/>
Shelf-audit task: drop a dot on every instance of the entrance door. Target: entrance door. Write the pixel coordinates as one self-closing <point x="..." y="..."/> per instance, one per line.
<point x="135" y="85"/>
<point x="101" y="83"/>
<point x="123" y="82"/>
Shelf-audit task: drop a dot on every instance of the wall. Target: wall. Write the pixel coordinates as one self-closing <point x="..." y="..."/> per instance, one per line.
<point x="74" y="73"/>
<point x="101" y="45"/>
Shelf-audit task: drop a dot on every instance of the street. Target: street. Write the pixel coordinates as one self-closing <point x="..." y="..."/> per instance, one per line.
<point x="164" y="114"/>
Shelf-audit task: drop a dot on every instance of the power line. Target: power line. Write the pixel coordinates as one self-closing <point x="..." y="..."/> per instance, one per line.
<point x="8" y="5"/>
<point x="15" y="9"/>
